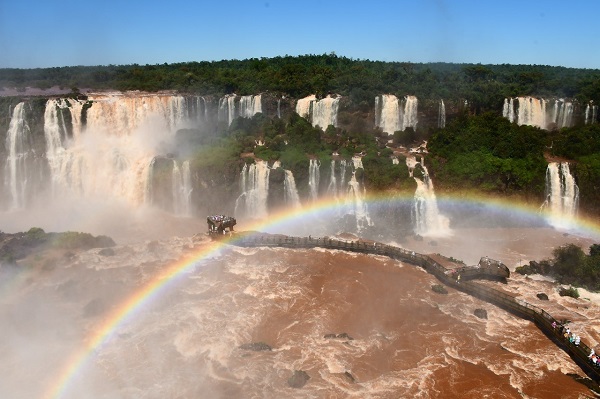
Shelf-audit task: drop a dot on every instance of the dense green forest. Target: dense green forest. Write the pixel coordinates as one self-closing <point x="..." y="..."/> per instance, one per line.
<point x="360" y="80"/>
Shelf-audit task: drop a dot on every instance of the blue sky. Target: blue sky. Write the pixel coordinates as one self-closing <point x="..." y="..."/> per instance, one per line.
<point x="47" y="33"/>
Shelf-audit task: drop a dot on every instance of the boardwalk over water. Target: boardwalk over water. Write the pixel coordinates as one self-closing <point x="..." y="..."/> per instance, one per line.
<point x="449" y="276"/>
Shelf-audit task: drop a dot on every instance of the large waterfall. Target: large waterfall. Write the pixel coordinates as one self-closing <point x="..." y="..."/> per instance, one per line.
<point x="562" y="195"/>
<point x="538" y="112"/>
<point x="392" y="115"/>
<point x="320" y="113"/>
<point x="428" y="220"/>
<point x="107" y="156"/>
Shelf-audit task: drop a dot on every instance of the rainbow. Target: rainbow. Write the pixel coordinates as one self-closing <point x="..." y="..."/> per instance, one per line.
<point x="278" y="222"/>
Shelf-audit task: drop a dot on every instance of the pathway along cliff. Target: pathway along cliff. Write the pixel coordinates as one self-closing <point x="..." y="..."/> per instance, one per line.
<point x="459" y="278"/>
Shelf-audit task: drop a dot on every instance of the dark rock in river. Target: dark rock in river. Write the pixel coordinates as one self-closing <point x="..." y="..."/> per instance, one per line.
<point x="481" y="313"/>
<point x="256" y="347"/>
<point x="298" y="379"/>
<point x="440" y="289"/>
<point x="542" y="296"/>
<point x="106" y="252"/>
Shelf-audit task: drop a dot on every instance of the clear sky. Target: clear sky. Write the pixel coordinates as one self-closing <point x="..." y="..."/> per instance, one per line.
<point x="47" y="33"/>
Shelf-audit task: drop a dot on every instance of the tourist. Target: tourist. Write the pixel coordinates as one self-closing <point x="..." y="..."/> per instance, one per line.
<point x="592" y="353"/>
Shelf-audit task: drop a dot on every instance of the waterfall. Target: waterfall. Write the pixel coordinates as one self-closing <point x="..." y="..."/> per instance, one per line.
<point x="17" y="144"/>
<point x="332" y="188"/>
<point x="250" y="106"/>
<point x="562" y="195"/>
<point x="252" y="202"/>
<point x="292" y="198"/>
<point x="564" y="114"/>
<point x="112" y="159"/>
<point x="279" y="108"/>
<point x="591" y="113"/>
<point x="427" y="217"/>
<point x="387" y="113"/>
<point x="391" y="115"/>
<point x="539" y="112"/>
<point x="226" y="111"/>
<point x="181" y="188"/>
<point x="409" y="116"/>
<point x="320" y="113"/>
<point x="442" y="115"/>
<point x="313" y="178"/>
<point x="355" y="198"/>
<point x="124" y="114"/>
<point x="509" y="109"/>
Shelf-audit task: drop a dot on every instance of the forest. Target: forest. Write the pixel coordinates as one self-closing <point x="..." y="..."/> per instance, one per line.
<point x="298" y="76"/>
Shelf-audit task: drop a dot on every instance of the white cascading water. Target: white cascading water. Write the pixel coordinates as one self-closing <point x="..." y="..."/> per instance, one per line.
<point x="387" y="113"/>
<point x="112" y="158"/>
<point x="16" y="162"/>
<point x="409" y="115"/>
<point x="427" y="217"/>
<point x="355" y="198"/>
<point x="314" y="176"/>
<point x="250" y="106"/>
<point x="320" y="113"/>
<point x="181" y="188"/>
<point x="252" y="202"/>
<point x="123" y="114"/>
<point x="508" y="111"/>
<point x="226" y="112"/>
<point x="392" y="115"/>
<point x="539" y="112"/>
<point x="442" y="115"/>
<point x="292" y="199"/>
<point x="591" y="114"/>
<point x="332" y="188"/>
<point x="562" y="195"/>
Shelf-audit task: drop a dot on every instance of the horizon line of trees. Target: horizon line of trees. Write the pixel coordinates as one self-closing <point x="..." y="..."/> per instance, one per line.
<point x="299" y="76"/>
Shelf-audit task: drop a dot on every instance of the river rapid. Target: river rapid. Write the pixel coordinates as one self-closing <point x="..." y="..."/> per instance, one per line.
<point x="397" y="338"/>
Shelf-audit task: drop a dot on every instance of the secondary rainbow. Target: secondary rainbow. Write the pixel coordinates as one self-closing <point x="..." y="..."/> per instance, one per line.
<point x="159" y="283"/>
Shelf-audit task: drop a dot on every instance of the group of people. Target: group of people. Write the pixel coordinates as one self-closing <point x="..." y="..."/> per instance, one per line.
<point x="566" y="333"/>
<point x="576" y="340"/>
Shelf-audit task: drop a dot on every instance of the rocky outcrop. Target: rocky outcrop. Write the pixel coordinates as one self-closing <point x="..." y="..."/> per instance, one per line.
<point x="298" y="379"/>
<point x="256" y="347"/>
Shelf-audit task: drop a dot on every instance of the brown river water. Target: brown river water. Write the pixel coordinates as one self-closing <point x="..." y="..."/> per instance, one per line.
<point x="402" y="339"/>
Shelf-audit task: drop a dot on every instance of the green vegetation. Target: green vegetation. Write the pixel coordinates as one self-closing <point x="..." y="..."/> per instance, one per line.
<point x="484" y="86"/>
<point x="570" y="265"/>
<point x="490" y="153"/>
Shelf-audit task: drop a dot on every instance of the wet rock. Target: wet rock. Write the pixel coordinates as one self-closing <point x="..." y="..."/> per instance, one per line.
<point x="339" y="336"/>
<point x="542" y="296"/>
<point x="256" y="347"/>
<point x="481" y="313"/>
<point x="298" y="379"/>
<point x="440" y="289"/>
<point x="349" y="377"/>
<point x="106" y="252"/>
